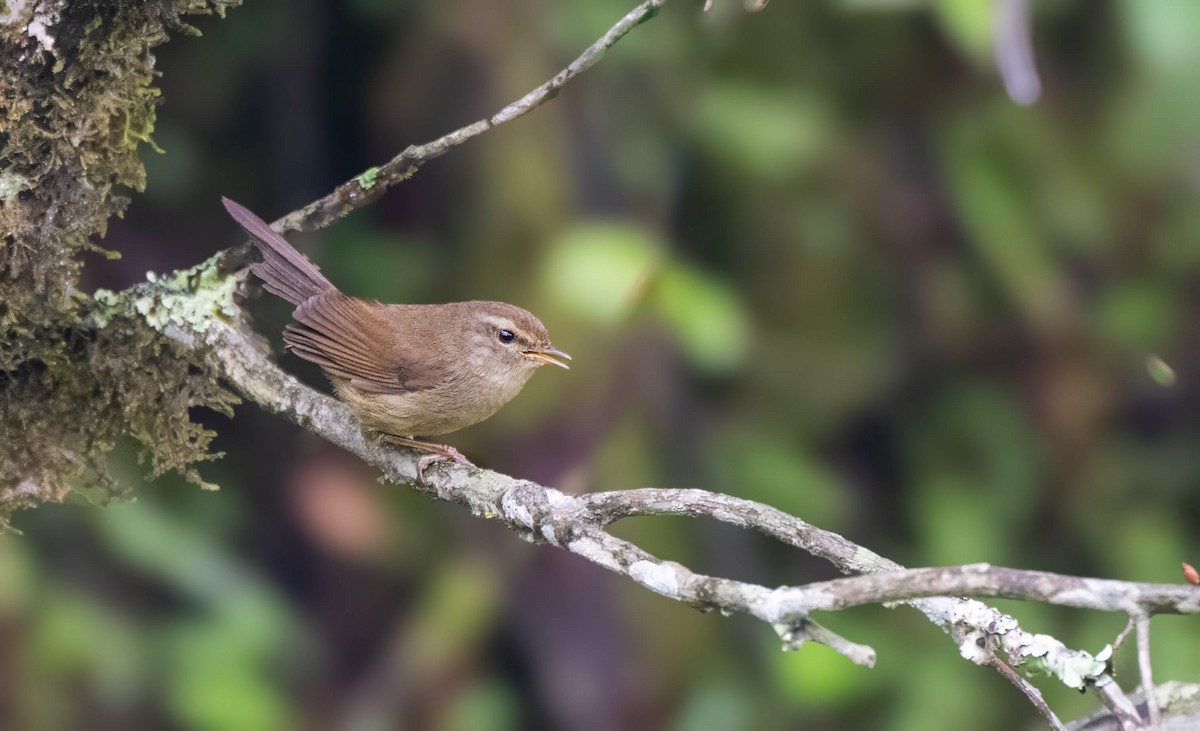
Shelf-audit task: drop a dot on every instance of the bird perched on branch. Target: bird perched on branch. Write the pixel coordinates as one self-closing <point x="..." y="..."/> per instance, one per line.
<point x="406" y="371"/>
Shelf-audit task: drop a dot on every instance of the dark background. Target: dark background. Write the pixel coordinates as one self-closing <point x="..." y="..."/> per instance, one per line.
<point x="814" y="257"/>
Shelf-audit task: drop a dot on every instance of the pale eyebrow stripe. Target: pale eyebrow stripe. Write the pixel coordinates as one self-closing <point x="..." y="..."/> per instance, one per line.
<point x="502" y="323"/>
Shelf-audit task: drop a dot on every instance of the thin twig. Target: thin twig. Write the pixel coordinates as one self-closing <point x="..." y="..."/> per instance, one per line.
<point x="1143" y="650"/>
<point x="796" y="634"/>
<point x="1031" y="692"/>
<point x="606" y="508"/>
<point x="1119" y="705"/>
<point x="1120" y="639"/>
<point x="370" y="184"/>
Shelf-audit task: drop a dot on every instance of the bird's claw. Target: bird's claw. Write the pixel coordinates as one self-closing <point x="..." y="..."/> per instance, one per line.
<point x="450" y="455"/>
<point x="432" y="452"/>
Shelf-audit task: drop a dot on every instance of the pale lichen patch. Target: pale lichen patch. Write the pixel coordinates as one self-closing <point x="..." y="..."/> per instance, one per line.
<point x="594" y="551"/>
<point x="660" y="578"/>
<point x="11" y="184"/>
<point x="516" y="511"/>
<point x="39" y="29"/>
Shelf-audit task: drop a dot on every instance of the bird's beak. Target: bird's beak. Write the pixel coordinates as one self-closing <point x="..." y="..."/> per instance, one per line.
<point x="547" y="355"/>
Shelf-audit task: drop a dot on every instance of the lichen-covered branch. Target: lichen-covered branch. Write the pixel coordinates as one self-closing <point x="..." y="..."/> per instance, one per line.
<point x="136" y="361"/>
<point x="576" y="523"/>
<point x="984" y="580"/>
<point x="196" y="309"/>
<point x="608" y="507"/>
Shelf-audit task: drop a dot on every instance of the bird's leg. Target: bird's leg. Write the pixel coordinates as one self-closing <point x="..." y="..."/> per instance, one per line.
<point x="434" y="452"/>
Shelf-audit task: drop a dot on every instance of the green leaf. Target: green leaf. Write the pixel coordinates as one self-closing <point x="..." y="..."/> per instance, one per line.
<point x="969" y="24"/>
<point x="992" y="199"/>
<point x="1138" y="316"/>
<point x="599" y="271"/>
<point x="767" y="133"/>
<point x="816" y="676"/>
<point x="16" y="574"/>
<point x="1162" y="34"/>
<point x="705" y="315"/>
<point x="216" y="682"/>
<point x="973" y="466"/>
<point x="484" y="705"/>
<point x="777" y="473"/>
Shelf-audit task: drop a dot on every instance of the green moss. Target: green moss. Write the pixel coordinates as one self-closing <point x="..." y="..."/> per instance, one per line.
<point x="78" y="103"/>
<point x="367" y="178"/>
<point x="127" y="365"/>
<point x="76" y="374"/>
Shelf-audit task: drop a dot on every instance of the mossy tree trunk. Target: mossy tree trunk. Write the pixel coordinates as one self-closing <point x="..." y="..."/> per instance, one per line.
<point x="77" y="101"/>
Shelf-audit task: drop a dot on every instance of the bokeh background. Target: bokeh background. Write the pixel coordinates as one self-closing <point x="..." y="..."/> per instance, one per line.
<point x="814" y="256"/>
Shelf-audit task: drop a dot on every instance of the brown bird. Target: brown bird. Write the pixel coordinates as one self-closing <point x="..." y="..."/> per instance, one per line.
<point x="406" y="371"/>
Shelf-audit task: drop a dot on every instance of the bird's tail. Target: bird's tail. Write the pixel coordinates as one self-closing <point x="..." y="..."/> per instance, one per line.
<point x="283" y="270"/>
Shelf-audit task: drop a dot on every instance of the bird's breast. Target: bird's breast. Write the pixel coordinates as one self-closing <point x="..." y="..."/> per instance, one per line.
<point x="448" y="406"/>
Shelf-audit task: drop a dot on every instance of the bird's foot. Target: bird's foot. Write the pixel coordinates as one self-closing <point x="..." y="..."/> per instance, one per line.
<point x="433" y="452"/>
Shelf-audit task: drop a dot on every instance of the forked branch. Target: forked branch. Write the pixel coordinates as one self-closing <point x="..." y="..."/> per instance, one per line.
<point x="578" y="524"/>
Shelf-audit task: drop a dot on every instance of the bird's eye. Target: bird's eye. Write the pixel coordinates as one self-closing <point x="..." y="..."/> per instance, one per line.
<point x="506" y="336"/>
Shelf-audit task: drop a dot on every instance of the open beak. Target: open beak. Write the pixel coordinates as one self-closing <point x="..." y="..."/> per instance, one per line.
<point x="547" y="355"/>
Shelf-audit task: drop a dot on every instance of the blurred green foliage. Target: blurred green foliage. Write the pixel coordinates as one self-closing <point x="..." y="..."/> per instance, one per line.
<point x="813" y="257"/>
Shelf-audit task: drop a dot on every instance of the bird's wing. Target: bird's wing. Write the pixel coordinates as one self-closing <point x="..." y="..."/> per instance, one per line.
<point x="352" y="339"/>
